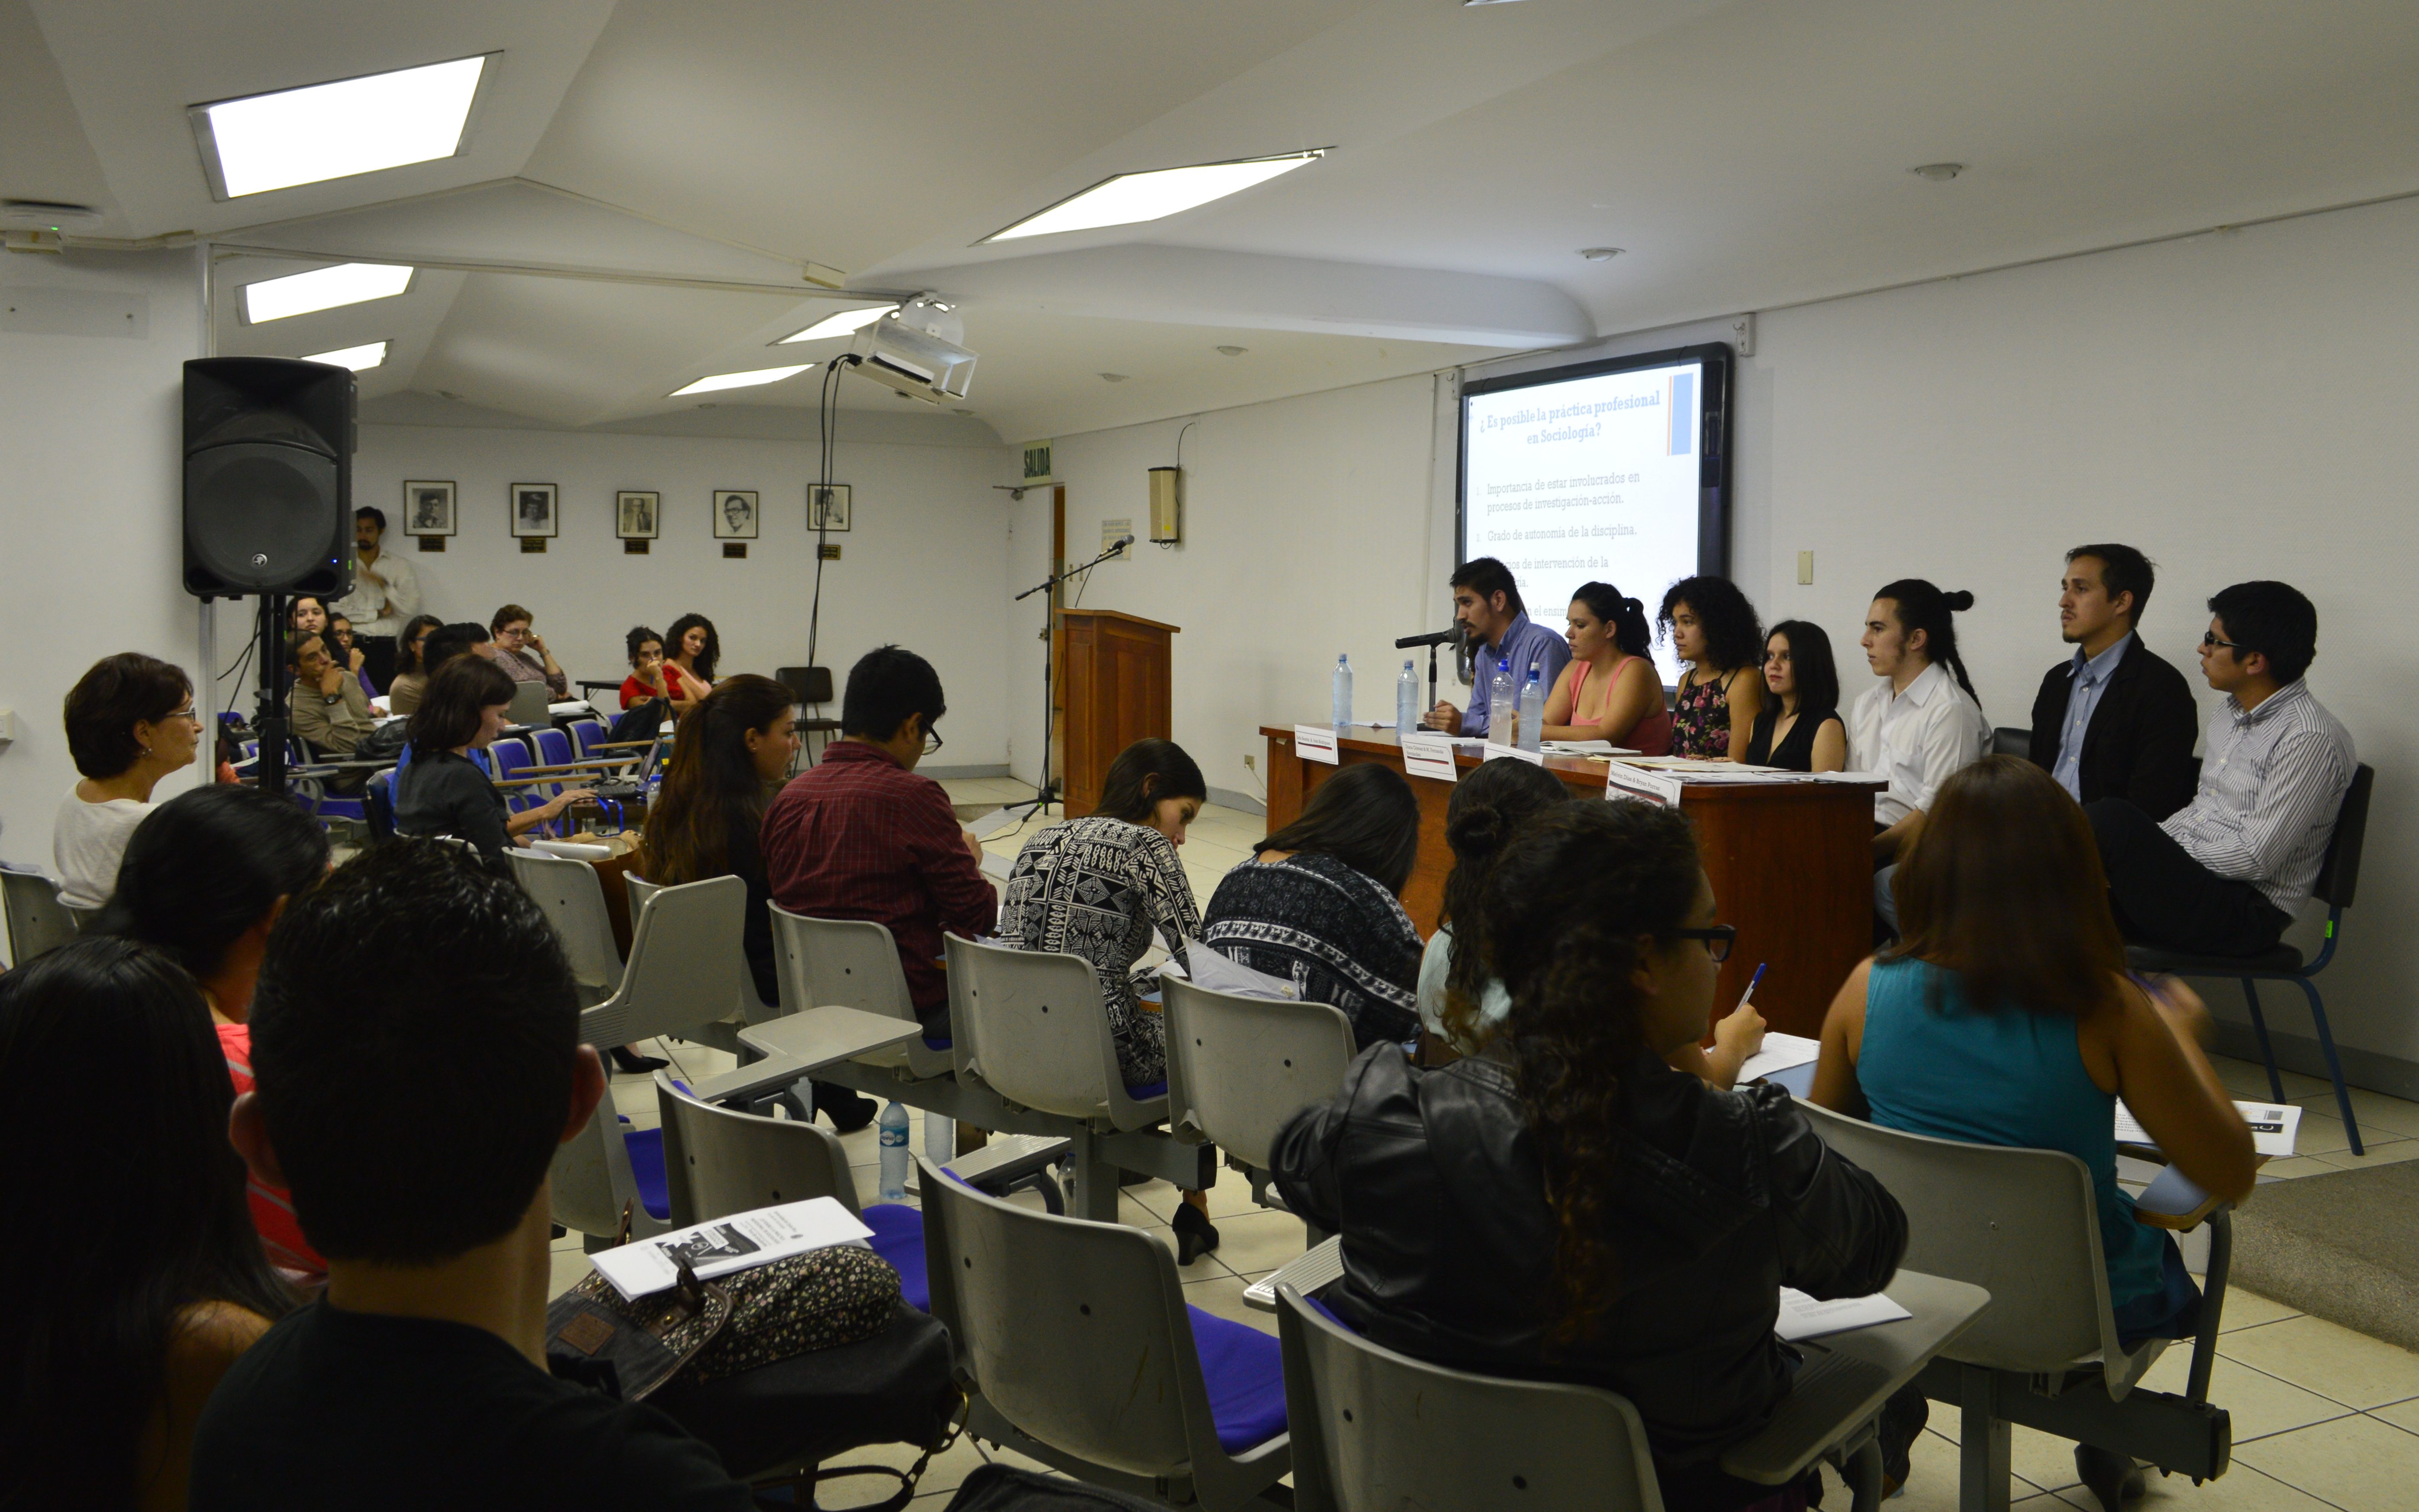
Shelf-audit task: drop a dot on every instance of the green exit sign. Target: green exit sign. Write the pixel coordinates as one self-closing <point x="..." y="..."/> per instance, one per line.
<point x="1037" y="461"/>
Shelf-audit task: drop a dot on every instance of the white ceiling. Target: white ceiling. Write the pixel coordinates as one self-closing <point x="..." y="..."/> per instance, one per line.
<point x="647" y="183"/>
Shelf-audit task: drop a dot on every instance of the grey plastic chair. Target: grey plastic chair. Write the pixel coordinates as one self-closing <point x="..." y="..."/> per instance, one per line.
<point x="1029" y="1024"/>
<point x="1074" y="1341"/>
<point x="572" y="898"/>
<point x="720" y="1161"/>
<point x="749" y="1008"/>
<point x="1238" y="1068"/>
<point x="850" y="963"/>
<point x="37" y="922"/>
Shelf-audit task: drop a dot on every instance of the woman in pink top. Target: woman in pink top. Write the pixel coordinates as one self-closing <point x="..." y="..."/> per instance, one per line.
<point x="1609" y="691"/>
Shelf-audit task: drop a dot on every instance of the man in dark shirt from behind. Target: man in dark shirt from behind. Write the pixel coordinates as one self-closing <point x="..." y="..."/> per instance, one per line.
<point x="421" y="1172"/>
<point x="861" y="837"/>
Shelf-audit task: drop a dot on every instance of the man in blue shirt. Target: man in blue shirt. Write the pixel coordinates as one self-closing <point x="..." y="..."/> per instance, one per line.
<point x="1486" y="604"/>
<point x="2115" y="721"/>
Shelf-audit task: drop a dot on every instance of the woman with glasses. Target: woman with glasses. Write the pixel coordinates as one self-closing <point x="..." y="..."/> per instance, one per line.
<point x="344" y="654"/>
<point x="1799" y="729"/>
<point x="1564" y="1201"/>
<point x="129" y="723"/>
<point x="521" y="652"/>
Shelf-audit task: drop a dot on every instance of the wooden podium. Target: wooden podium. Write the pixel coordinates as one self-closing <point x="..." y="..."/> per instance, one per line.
<point x="1113" y="691"/>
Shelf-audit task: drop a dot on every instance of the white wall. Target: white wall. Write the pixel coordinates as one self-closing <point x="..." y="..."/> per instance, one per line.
<point x="91" y="545"/>
<point x="920" y="566"/>
<point x="2239" y="406"/>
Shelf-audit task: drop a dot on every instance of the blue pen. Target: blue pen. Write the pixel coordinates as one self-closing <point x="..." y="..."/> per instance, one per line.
<point x="1749" y="995"/>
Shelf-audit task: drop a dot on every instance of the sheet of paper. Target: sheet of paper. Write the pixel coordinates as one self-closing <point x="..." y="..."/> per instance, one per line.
<point x="1315" y="743"/>
<point x="1429" y="756"/>
<point x="1779" y="1053"/>
<point x="1494" y="751"/>
<point x="1586" y="747"/>
<point x="1803" y="1318"/>
<point x="738" y="1243"/>
<point x="1624" y="781"/>
<point x="2274" y="1127"/>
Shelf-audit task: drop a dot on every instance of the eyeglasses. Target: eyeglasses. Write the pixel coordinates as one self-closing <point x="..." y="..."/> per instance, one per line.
<point x="1719" y="939"/>
<point x="931" y="741"/>
<point x="2209" y="640"/>
<point x="185" y="713"/>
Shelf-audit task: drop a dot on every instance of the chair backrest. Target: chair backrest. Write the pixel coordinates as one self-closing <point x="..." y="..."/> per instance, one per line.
<point x="718" y="1161"/>
<point x="2009" y="741"/>
<point x="1373" y="1429"/>
<point x="808" y="684"/>
<point x="585" y="734"/>
<point x="1030" y="1024"/>
<point x="378" y="804"/>
<point x="848" y="962"/>
<point x="573" y="900"/>
<point x="2339" y="873"/>
<point x="592" y="1181"/>
<point x="1239" y="1067"/>
<point x="640" y="889"/>
<point x="553" y="747"/>
<point x="2022" y="1224"/>
<point x="1075" y="1332"/>
<point x="687" y="965"/>
<point x="37" y="922"/>
<point x="506" y="758"/>
<point x="530" y="701"/>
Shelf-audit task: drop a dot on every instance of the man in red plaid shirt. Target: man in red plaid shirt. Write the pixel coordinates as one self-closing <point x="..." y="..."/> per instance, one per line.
<point x="861" y="837"/>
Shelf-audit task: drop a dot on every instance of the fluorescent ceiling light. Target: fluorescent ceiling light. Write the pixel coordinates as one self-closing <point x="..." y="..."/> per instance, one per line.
<point x="841" y="324"/>
<point x="741" y="381"/>
<point x="334" y="131"/>
<point x="322" y="289"/>
<point x="1130" y="198"/>
<point x="360" y="359"/>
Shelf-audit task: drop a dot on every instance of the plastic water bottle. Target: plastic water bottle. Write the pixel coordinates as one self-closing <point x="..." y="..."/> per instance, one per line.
<point x="893" y="1125"/>
<point x="1533" y="713"/>
<point x="1406" y="701"/>
<point x="1343" y="694"/>
<point x="940" y="1139"/>
<point x="1502" y="715"/>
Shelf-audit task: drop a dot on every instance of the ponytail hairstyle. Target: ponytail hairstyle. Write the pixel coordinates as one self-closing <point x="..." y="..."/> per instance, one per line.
<point x="1145" y="775"/>
<point x="1486" y="810"/>
<point x="1569" y="907"/>
<point x="711" y="786"/>
<point x="1626" y="616"/>
<point x="1923" y="606"/>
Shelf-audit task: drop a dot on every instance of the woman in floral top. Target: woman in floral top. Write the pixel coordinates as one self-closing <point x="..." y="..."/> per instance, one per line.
<point x="1712" y="628"/>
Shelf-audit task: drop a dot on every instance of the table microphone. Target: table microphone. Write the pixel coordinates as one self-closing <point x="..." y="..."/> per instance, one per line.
<point x="1434" y="638"/>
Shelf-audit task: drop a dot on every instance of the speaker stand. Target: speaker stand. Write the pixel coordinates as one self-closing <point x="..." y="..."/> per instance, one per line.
<point x="271" y="723"/>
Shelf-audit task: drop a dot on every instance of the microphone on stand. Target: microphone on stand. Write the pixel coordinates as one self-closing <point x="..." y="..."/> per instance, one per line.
<point x="1434" y="638"/>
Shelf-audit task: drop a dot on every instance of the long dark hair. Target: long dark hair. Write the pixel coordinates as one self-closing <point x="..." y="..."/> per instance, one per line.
<point x="1566" y="906"/>
<point x="450" y="709"/>
<point x="1626" y="616"/>
<point x="118" y="1098"/>
<point x="1366" y="817"/>
<point x="1733" y="640"/>
<point x="1922" y="607"/>
<point x="711" y="786"/>
<point x="706" y="658"/>
<point x="207" y="864"/>
<point x="1144" y="773"/>
<point x="406" y="659"/>
<point x="1813" y="666"/>
<point x="1487" y="808"/>
<point x="2003" y="888"/>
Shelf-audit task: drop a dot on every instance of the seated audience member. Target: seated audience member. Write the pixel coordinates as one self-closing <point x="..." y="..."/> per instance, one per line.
<point x="441" y="791"/>
<point x="203" y="880"/>
<point x="1487" y="606"/>
<point x="327" y="706"/>
<point x="1566" y="1203"/>
<point x="307" y="614"/>
<point x="1097" y="887"/>
<point x="2115" y="721"/>
<point x="691" y="652"/>
<point x="1921" y="723"/>
<point x="707" y="820"/>
<point x="2224" y="874"/>
<point x="1320" y="903"/>
<point x="410" y="668"/>
<point x="2005" y="1015"/>
<point x="418" y="1379"/>
<point x="1611" y="689"/>
<point x="137" y="1276"/>
<point x="342" y="649"/>
<point x="1712" y="628"/>
<point x="129" y="723"/>
<point x="860" y="836"/>
<point x="1799" y="728"/>
<point x="647" y="679"/>
<point x="521" y="652"/>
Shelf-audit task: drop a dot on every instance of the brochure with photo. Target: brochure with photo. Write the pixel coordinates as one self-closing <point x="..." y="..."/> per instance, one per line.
<point x="741" y="1242"/>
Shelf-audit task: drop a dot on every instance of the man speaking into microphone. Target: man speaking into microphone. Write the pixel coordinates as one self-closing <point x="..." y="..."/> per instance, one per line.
<point x="1486" y="604"/>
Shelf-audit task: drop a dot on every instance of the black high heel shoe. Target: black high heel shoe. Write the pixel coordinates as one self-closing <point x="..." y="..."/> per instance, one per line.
<point x="1195" y="1236"/>
<point x="625" y="1059"/>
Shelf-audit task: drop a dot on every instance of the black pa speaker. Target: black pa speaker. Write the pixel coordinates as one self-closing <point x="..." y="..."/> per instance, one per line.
<point x="269" y="476"/>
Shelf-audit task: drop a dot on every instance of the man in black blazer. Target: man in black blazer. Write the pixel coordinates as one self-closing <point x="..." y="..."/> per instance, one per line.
<point x="2116" y="721"/>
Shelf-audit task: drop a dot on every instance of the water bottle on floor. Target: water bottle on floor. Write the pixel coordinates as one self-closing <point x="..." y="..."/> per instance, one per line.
<point x="1342" y="694"/>
<point x="1532" y="712"/>
<point x="940" y="1139"/>
<point x="893" y="1125"/>
<point x="1406" y="701"/>
<point x="1502" y="713"/>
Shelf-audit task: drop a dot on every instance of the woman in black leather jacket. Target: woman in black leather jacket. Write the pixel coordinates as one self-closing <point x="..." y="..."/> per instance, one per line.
<point x="1565" y="1205"/>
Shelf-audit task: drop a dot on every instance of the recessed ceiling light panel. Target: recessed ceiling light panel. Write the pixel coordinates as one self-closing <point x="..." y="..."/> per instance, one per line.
<point x="335" y="131"/>
<point x="1938" y="172"/>
<point x="360" y="359"/>
<point x="322" y="289"/>
<point x="741" y="381"/>
<point x="1132" y="197"/>
<point x="847" y="322"/>
<point x="1599" y="254"/>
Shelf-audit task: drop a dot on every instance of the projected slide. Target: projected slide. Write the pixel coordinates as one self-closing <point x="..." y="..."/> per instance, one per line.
<point x="1594" y="478"/>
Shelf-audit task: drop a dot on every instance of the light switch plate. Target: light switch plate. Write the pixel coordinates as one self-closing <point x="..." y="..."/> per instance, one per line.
<point x="1804" y="568"/>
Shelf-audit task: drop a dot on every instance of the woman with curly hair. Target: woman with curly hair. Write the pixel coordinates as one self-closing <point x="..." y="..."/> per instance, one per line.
<point x="1714" y="630"/>
<point x="1564" y="1203"/>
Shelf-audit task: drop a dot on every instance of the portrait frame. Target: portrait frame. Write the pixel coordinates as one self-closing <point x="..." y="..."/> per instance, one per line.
<point x="828" y="506"/>
<point x="534" y="509"/>
<point x="428" y="507"/>
<point x="729" y="524"/>
<point x="639" y="514"/>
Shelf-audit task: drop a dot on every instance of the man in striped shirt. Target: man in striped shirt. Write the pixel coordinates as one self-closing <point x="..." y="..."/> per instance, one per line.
<point x="2224" y="874"/>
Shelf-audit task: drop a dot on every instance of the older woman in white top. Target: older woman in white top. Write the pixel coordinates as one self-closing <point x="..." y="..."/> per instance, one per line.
<point x="129" y="723"/>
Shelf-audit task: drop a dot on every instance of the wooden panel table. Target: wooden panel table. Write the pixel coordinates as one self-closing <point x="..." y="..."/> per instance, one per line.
<point x="1791" y="864"/>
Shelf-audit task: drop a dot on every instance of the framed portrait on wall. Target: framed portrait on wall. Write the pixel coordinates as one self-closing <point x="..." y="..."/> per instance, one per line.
<point x="735" y="514"/>
<point x="427" y="507"/>
<point x="828" y="506"/>
<point x="638" y="516"/>
<point x="534" y="509"/>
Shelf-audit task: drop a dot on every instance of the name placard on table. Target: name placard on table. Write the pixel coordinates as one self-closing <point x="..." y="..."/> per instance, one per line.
<point x="1492" y="751"/>
<point x="1661" y="788"/>
<point x="1429" y="756"/>
<point x="1315" y="743"/>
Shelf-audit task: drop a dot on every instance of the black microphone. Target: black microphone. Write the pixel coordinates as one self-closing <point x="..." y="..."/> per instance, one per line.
<point x="1434" y="638"/>
<point x="1124" y="542"/>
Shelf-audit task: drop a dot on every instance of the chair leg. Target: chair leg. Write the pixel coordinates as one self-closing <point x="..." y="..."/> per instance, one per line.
<point x="2213" y="1305"/>
<point x="1864" y="1477"/>
<point x="2267" y="1051"/>
<point x="2334" y="1066"/>
<point x="1984" y="1469"/>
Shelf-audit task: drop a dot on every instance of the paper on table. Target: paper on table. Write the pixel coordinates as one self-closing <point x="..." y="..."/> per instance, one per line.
<point x="1492" y="751"/>
<point x="2274" y="1126"/>
<point x="1803" y="1318"/>
<point x="739" y="1243"/>
<point x="1587" y="747"/>
<point x="1779" y="1052"/>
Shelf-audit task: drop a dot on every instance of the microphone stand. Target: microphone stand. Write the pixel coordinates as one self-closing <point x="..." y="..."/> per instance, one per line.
<point x="1048" y="791"/>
